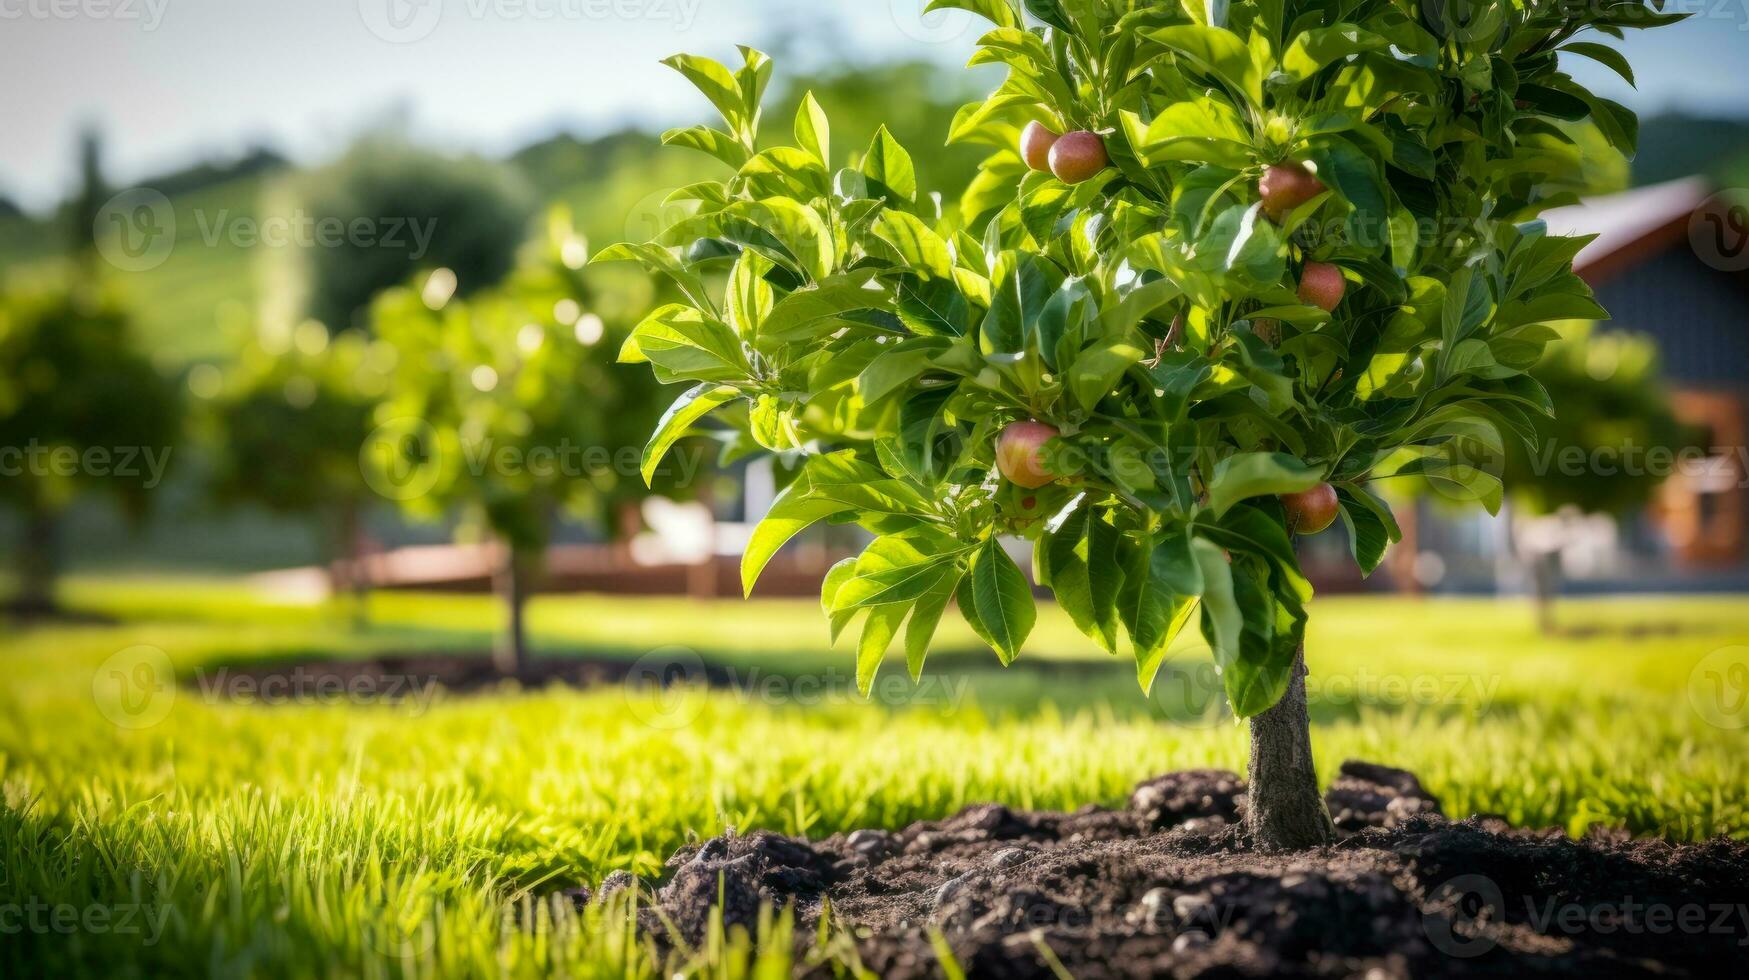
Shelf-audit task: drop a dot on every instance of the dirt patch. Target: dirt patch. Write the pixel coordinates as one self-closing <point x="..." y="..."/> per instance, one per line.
<point x="1167" y="887"/>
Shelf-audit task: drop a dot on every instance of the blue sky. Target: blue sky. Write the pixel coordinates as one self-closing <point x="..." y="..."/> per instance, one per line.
<point x="173" y="80"/>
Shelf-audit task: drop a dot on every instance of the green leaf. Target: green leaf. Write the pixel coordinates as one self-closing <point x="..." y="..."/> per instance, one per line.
<point x="813" y="131"/>
<point x="836" y="576"/>
<point x="792" y="512"/>
<point x="718" y="84"/>
<point x="926" y="617"/>
<point x="878" y="631"/>
<point x="1217" y="51"/>
<point x="750" y="296"/>
<point x="807" y="312"/>
<point x="998" y="12"/>
<point x="1001" y="600"/>
<point x="682" y="344"/>
<point x="1085" y="574"/>
<point x="1371" y="527"/>
<point x="1156" y="597"/>
<point x="1320" y="46"/>
<point x="889" y="166"/>
<point x="1096" y="371"/>
<point x="695" y="404"/>
<point x="924" y="252"/>
<point x="1353" y="175"/>
<point x="898" y="568"/>
<point x="1604" y="55"/>
<point x="1245" y="475"/>
<point x="707" y="140"/>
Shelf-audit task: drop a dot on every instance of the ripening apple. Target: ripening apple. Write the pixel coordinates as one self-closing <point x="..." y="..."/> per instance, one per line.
<point x="1310" y="511"/>
<point x="1020" y="453"/>
<point x="1322" y="285"/>
<point x="1077" y="156"/>
<point x="1285" y="187"/>
<point x="1036" y="141"/>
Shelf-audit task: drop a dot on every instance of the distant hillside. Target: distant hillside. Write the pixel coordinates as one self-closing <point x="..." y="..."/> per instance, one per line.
<point x="9" y="208"/>
<point x="1675" y="146"/>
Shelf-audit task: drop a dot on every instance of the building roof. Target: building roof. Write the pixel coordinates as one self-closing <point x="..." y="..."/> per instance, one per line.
<point x="1629" y="226"/>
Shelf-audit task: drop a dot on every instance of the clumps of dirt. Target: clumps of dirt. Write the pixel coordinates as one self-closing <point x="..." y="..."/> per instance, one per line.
<point x="1168" y="886"/>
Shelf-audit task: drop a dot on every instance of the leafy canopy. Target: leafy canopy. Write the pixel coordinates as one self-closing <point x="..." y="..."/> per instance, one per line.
<point x="1151" y="314"/>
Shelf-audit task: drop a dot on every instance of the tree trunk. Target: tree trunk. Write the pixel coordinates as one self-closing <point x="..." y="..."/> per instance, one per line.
<point x="1545" y="584"/>
<point x="39" y="563"/>
<point x="511" y="583"/>
<point x="1284" y="811"/>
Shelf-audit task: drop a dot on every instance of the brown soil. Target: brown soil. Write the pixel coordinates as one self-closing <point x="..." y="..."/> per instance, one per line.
<point x="1168" y="887"/>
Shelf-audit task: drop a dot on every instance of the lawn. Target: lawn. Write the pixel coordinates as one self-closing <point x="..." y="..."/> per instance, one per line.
<point x="152" y="826"/>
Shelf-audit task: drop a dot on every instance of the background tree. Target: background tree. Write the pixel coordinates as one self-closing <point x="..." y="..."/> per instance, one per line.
<point x="285" y="428"/>
<point x="1611" y="408"/>
<point x="81" y="412"/>
<point x="504" y="411"/>
<point x="1259" y="251"/>
<point x="475" y="213"/>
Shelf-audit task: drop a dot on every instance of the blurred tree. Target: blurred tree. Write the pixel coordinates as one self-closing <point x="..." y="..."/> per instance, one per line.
<point x="1602" y="451"/>
<point x="88" y="202"/>
<point x="505" y="411"/>
<point x="285" y="427"/>
<point x="413" y="210"/>
<point x="80" y="410"/>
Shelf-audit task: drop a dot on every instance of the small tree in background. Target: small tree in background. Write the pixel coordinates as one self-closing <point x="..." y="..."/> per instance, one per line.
<point x="285" y="428"/>
<point x="1591" y="456"/>
<point x="1229" y="264"/>
<point x="425" y="211"/>
<point x="504" y="411"/>
<point x="82" y="412"/>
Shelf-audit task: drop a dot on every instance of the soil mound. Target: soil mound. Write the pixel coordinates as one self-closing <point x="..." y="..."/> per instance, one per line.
<point x="1168" y="886"/>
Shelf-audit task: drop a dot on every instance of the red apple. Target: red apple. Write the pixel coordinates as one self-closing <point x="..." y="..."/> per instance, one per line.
<point x="1020" y="454"/>
<point x="1285" y="187"/>
<point x="1310" y="511"/>
<point x="1322" y="285"/>
<point x="1077" y="156"/>
<point x="1036" y="141"/>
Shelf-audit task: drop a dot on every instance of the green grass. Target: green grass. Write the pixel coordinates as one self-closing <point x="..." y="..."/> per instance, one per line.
<point x="427" y="838"/>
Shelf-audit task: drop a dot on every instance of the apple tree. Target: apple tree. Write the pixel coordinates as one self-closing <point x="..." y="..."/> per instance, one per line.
<point x="285" y="426"/>
<point x="1251" y="259"/>
<point x="83" y="412"/>
<point x="504" y="411"/>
